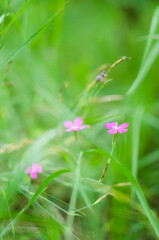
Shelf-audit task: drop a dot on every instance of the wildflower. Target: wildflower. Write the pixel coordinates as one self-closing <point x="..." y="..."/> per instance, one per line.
<point x="76" y="126"/>
<point x="33" y="170"/>
<point x="115" y="128"/>
<point x="101" y="77"/>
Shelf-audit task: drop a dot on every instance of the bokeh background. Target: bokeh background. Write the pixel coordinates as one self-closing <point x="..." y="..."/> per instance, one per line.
<point x="44" y="72"/>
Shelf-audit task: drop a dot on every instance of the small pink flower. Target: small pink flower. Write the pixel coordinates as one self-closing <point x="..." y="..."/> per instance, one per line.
<point x="115" y="128"/>
<point x="33" y="170"/>
<point x="76" y="126"/>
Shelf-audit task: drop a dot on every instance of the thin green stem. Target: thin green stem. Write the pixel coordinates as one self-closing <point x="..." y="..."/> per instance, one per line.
<point x="107" y="164"/>
<point x="70" y="218"/>
<point x="75" y="134"/>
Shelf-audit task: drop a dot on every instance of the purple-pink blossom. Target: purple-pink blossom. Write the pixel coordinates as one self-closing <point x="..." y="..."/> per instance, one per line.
<point x="101" y="77"/>
<point x="115" y="128"/>
<point x="74" y="126"/>
<point x="33" y="170"/>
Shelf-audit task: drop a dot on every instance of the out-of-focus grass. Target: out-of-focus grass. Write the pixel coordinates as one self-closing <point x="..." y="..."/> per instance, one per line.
<point x="43" y="85"/>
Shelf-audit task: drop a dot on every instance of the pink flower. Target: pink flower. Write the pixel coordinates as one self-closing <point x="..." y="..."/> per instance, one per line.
<point x="76" y="126"/>
<point x="33" y="170"/>
<point x="115" y="128"/>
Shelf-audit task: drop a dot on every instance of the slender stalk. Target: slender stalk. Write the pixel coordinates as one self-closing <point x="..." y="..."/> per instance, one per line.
<point x="138" y="115"/>
<point x="107" y="164"/>
<point x="70" y="217"/>
<point x="75" y="134"/>
<point x="116" y="63"/>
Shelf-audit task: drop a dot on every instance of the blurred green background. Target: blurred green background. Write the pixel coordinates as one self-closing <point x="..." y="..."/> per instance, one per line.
<point x="41" y="86"/>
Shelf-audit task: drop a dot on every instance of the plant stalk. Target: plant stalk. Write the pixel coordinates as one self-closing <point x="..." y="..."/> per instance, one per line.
<point x="107" y="164"/>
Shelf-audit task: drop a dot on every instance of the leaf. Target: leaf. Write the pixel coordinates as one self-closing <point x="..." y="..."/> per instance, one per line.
<point x="14" y="18"/>
<point x="101" y="198"/>
<point x="149" y="159"/>
<point x="37" y="193"/>
<point x="99" y="118"/>
<point x="152" y="30"/>
<point x="42" y="28"/>
<point x="150" y="54"/>
<point x="145" y="68"/>
<point x="72" y="204"/>
<point x="135" y="185"/>
<point x="2" y="17"/>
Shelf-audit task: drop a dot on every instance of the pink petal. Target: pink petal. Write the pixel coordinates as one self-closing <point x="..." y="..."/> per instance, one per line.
<point x="36" y="168"/>
<point x="82" y="127"/>
<point x="69" y="130"/>
<point x="27" y="170"/>
<point x="108" y="126"/>
<point x="114" y="124"/>
<point x="121" y="130"/>
<point x="124" y="125"/>
<point x="78" y="122"/>
<point x="33" y="174"/>
<point x="113" y="131"/>
<point x="68" y="124"/>
<point x="76" y="129"/>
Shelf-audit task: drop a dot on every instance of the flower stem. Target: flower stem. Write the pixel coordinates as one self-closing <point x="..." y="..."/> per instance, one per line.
<point x="72" y="204"/>
<point x="75" y="134"/>
<point x="107" y="164"/>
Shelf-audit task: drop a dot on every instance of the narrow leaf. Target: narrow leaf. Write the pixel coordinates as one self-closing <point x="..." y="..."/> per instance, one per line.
<point x="37" y="193"/>
<point x="136" y="187"/>
<point x="42" y="28"/>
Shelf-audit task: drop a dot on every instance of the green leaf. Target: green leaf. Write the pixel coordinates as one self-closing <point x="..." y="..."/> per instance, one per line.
<point x="136" y="187"/>
<point x="149" y="159"/>
<point x="145" y="68"/>
<point x="37" y="193"/>
<point x="72" y="204"/>
<point x="152" y="30"/>
<point x="42" y="28"/>
<point x="99" y="118"/>
<point x="150" y="54"/>
<point x="14" y="17"/>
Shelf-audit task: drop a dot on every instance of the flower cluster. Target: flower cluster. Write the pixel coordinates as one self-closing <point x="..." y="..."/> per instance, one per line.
<point x="77" y="125"/>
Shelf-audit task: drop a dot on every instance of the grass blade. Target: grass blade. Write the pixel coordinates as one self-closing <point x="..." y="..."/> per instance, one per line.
<point x="153" y="27"/>
<point x="138" y="114"/>
<point x="3" y="17"/>
<point x="15" y="18"/>
<point x="149" y="55"/>
<point x="149" y="159"/>
<point x="42" y="28"/>
<point x="145" y="68"/>
<point x="69" y="224"/>
<point x="37" y="193"/>
<point x="136" y="187"/>
<point x="151" y="120"/>
<point x="9" y="211"/>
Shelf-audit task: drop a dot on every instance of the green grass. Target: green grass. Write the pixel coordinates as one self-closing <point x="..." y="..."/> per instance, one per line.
<point x="51" y="53"/>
